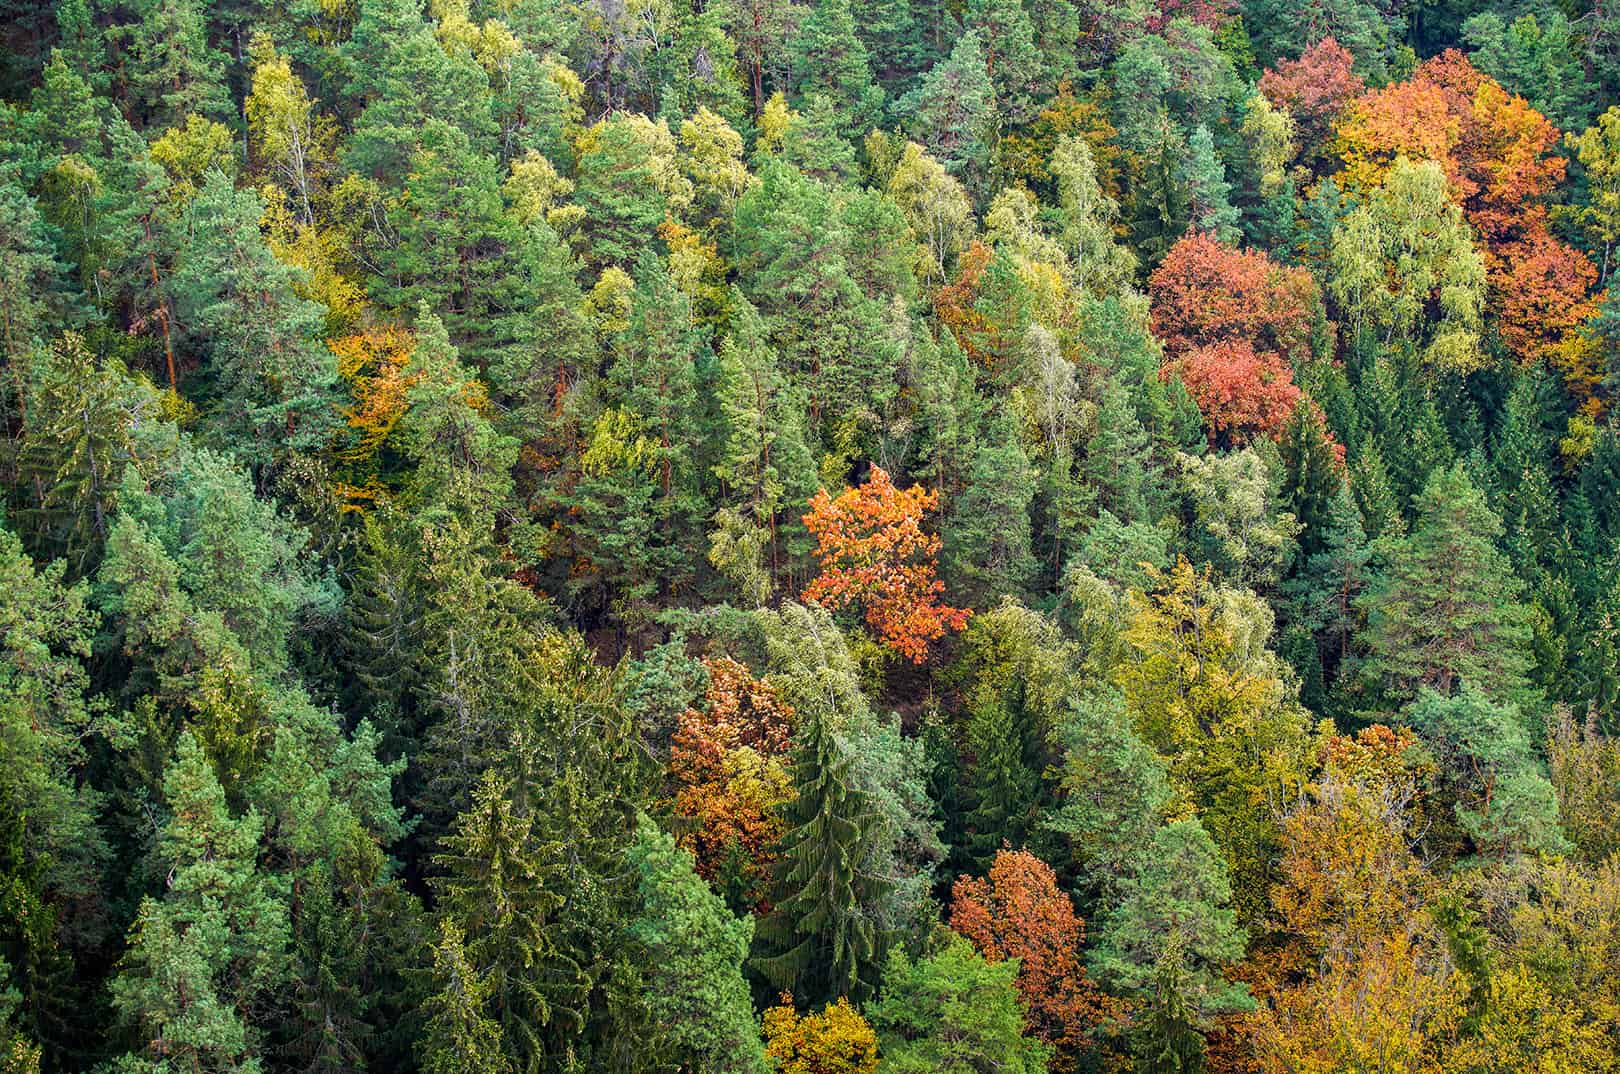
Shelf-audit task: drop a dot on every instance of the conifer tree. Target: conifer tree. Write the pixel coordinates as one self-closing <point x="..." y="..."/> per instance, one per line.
<point x="203" y="956"/>
<point x="1445" y="610"/>
<point x="1209" y="205"/>
<point x="694" y="954"/>
<point x="819" y="943"/>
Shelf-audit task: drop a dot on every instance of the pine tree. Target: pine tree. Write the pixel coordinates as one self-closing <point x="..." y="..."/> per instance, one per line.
<point x="205" y="955"/>
<point x="820" y="942"/>
<point x="828" y="57"/>
<point x="173" y="70"/>
<point x="952" y="112"/>
<point x="1008" y="39"/>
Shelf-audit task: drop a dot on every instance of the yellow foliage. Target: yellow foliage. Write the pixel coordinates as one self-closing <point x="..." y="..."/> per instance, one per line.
<point x="835" y="1040"/>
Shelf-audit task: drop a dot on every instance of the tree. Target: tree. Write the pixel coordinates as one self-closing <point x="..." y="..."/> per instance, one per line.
<point x="1314" y="90"/>
<point x="459" y="1037"/>
<point x="205" y="955"/>
<point x="1018" y="912"/>
<point x="1444" y="612"/>
<point x="987" y="531"/>
<point x="821" y="942"/>
<point x="1208" y="204"/>
<point x="694" y="953"/>
<point x="835" y="1040"/>
<point x="1598" y="149"/>
<point x="1402" y="252"/>
<point x="32" y="294"/>
<point x="498" y="891"/>
<point x="274" y="375"/>
<point x="953" y="1013"/>
<point x="726" y="761"/>
<point x="1206" y="293"/>
<point x="827" y="57"/>
<point x="951" y="112"/>
<point x="1242" y="393"/>
<point x="174" y="72"/>
<point x="873" y="551"/>
<point x="1178" y="897"/>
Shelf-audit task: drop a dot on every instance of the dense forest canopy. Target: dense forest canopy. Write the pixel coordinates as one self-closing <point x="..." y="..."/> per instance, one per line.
<point x="730" y="536"/>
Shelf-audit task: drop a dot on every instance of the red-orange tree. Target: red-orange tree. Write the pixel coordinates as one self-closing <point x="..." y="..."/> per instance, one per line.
<point x="726" y="763"/>
<point x="873" y="552"/>
<point x="1314" y="89"/>
<point x="1232" y="321"/>
<point x="1019" y="912"/>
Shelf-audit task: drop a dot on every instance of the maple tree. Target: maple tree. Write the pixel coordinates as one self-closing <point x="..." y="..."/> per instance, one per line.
<point x="873" y="552"/>
<point x="1018" y="911"/>
<point x="726" y="760"/>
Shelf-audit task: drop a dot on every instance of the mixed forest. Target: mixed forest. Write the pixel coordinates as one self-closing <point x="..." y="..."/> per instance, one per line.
<point x="810" y="536"/>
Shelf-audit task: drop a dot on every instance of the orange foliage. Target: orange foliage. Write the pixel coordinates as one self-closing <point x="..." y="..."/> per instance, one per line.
<point x="1240" y="391"/>
<point x="873" y="552"/>
<point x="1019" y="912"/>
<point x="373" y="363"/>
<point x="1498" y="157"/>
<point x="726" y="763"/>
<point x="954" y="303"/>
<point x="1205" y="293"/>
<point x="836" y="1040"/>
<point x="1541" y="297"/>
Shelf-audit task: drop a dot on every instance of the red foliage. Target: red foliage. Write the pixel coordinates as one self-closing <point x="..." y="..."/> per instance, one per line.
<point x="873" y="551"/>
<point x="1206" y="293"/>
<point x="1232" y="321"/>
<point x="1019" y="912"/>
<point x="1313" y="89"/>
<point x="1240" y="391"/>
<point x="1211" y="14"/>
<point x="724" y="761"/>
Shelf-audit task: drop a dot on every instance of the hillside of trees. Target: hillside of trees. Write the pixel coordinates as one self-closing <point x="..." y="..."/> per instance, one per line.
<point x="810" y="536"/>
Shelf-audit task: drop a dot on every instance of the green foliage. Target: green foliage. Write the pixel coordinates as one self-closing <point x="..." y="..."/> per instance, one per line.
<point x="953" y="1012"/>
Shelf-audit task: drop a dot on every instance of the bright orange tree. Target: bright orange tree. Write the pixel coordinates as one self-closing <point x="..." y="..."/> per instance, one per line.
<point x="1019" y="912"/>
<point x="1232" y="321"/>
<point x="873" y="552"/>
<point x="726" y="761"/>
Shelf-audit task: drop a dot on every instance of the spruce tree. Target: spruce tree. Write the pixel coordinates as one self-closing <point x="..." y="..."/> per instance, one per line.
<point x="203" y="957"/>
<point x="1445" y="609"/>
<point x="1209" y="204"/>
<point x="818" y="941"/>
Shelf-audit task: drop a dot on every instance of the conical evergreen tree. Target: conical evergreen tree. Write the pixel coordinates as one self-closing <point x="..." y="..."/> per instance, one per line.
<point x="819" y="942"/>
<point x="204" y="956"/>
<point x="1209" y="204"/>
<point x="1445" y="611"/>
